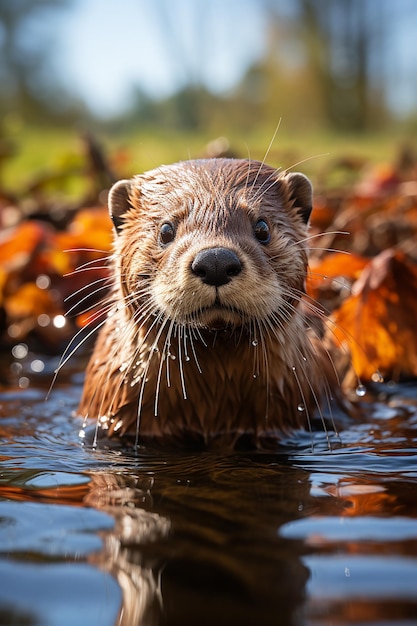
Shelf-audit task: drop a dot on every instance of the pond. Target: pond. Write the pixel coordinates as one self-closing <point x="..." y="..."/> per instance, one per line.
<point x="306" y="536"/>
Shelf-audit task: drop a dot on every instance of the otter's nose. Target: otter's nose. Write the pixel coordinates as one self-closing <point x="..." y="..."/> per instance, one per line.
<point x="216" y="266"/>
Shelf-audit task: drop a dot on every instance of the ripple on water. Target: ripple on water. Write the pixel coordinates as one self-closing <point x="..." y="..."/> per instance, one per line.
<point x="57" y="593"/>
<point x="325" y="528"/>
<point x="50" y="530"/>
<point x="321" y="531"/>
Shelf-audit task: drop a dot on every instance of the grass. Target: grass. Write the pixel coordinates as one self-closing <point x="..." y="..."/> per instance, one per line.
<point x="150" y="149"/>
<point x="39" y="151"/>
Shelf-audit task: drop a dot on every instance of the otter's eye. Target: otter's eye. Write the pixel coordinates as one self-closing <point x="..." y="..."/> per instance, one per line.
<point x="262" y="232"/>
<point x="167" y="233"/>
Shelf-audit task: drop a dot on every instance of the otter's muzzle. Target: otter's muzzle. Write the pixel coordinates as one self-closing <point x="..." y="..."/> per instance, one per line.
<point x="216" y="266"/>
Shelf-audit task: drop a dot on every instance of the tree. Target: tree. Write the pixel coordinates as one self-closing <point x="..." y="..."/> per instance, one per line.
<point x="344" y="39"/>
<point x="23" y="57"/>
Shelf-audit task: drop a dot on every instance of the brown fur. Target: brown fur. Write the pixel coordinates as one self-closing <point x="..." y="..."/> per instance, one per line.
<point x="183" y="360"/>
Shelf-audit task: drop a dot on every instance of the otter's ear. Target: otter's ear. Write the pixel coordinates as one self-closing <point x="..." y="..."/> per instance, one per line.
<point x="118" y="202"/>
<point x="301" y="193"/>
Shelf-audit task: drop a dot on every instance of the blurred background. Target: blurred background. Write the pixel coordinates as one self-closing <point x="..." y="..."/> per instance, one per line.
<point x="95" y="90"/>
<point x="157" y="80"/>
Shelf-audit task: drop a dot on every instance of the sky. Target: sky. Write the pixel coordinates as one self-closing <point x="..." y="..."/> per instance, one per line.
<point x="107" y="48"/>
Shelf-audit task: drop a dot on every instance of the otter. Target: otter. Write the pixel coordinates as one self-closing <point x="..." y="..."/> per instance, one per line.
<point x="206" y="340"/>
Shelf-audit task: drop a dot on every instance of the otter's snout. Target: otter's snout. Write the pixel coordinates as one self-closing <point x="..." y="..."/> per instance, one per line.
<point x="216" y="266"/>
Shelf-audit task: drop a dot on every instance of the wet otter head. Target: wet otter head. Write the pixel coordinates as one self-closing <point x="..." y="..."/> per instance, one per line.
<point x="213" y="244"/>
<point x="205" y="337"/>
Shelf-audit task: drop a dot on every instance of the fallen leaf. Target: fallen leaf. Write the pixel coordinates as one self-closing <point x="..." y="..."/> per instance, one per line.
<point x="19" y="245"/>
<point x="378" y="322"/>
<point x="30" y="300"/>
<point x="331" y="272"/>
<point x="88" y="237"/>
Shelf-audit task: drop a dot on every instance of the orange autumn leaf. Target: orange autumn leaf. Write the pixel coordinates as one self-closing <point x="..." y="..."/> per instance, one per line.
<point x="378" y="322"/>
<point x="92" y="228"/>
<point x="90" y="219"/>
<point x="335" y="265"/>
<point x="3" y="282"/>
<point x="323" y="214"/>
<point x="31" y="301"/>
<point x="88" y="237"/>
<point x="31" y="308"/>
<point x="19" y="244"/>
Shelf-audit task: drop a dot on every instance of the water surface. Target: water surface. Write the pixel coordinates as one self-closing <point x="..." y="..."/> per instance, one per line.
<point x="308" y="535"/>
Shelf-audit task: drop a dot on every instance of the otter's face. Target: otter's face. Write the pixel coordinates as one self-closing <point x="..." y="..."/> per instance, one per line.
<point x="212" y="244"/>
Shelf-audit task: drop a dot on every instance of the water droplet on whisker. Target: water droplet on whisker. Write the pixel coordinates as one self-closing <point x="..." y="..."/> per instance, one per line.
<point x="255" y="343"/>
<point x="360" y="390"/>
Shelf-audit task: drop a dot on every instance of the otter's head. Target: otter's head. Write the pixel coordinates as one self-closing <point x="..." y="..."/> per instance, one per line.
<point x="218" y="243"/>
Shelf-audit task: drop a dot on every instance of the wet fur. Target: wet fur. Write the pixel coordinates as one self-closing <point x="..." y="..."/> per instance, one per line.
<point x="182" y="361"/>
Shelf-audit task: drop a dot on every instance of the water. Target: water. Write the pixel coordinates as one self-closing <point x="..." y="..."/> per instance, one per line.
<point x="105" y="537"/>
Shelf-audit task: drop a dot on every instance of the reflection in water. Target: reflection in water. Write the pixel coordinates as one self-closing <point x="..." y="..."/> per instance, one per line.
<point x="254" y="540"/>
<point x="198" y="541"/>
<point x="104" y="537"/>
<point x="139" y="580"/>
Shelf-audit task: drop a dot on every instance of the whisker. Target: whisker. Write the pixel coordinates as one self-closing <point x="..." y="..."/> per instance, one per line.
<point x="307" y="159"/>
<point x="167" y="348"/>
<point x="68" y="355"/>
<point x="151" y="354"/>
<point x="318" y="235"/>
<point x="163" y="357"/>
<point x="89" y="295"/>
<point x="194" y="351"/>
<point x="86" y="250"/>
<point x="294" y="370"/>
<point x="266" y="366"/>
<point x="271" y="143"/>
<point x="82" y="269"/>
<point x="346" y="252"/>
<point x="108" y="258"/>
<point x="180" y="363"/>
<point x="88" y="286"/>
<point x="318" y="407"/>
